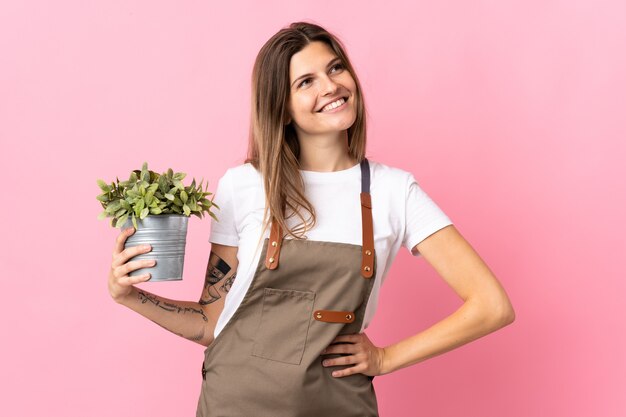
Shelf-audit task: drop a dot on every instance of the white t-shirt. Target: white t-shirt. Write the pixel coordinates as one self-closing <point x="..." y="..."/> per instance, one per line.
<point x="403" y="215"/>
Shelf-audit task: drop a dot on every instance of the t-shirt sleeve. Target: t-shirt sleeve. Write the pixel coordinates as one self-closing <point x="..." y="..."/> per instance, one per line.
<point x="423" y="216"/>
<point x="224" y="230"/>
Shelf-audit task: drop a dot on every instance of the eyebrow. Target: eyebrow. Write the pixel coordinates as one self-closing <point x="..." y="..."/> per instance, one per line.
<point x="332" y="61"/>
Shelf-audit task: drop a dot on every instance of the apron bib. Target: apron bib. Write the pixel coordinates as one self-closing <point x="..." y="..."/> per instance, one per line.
<point x="266" y="361"/>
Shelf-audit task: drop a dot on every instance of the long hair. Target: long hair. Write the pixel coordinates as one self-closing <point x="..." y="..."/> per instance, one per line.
<point x="273" y="147"/>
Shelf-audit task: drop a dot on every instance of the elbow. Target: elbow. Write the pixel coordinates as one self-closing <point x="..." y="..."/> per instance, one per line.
<point x="502" y="313"/>
<point x="494" y="312"/>
<point x="508" y="318"/>
<point x="206" y="342"/>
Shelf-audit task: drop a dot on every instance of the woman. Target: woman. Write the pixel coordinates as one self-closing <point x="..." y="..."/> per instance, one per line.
<point x="288" y="340"/>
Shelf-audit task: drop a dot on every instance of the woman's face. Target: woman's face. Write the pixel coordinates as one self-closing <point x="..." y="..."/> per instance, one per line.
<point x="317" y="78"/>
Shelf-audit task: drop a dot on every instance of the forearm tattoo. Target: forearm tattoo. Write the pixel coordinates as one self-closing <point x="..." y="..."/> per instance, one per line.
<point x="147" y="297"/>
<point x="217" y="269"/>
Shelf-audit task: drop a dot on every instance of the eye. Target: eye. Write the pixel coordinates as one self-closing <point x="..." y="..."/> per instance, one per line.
<point x="303" y="81"/>
<point x="339" y="66"/>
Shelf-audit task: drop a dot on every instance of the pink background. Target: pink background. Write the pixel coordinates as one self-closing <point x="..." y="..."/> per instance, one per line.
<point x="511" y="116"/>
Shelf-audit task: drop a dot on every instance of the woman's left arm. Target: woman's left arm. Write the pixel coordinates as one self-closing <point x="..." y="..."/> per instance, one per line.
<point x="486" y="308"/>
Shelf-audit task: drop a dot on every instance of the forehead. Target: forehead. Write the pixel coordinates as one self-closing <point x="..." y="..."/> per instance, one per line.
<point x="312" y="58"/>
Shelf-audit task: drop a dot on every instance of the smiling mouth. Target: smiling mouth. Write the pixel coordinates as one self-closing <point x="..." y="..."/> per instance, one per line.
<point x="344" y="102"/>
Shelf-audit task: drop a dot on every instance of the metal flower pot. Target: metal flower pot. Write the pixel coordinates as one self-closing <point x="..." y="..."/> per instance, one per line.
<point x="167" y="234"/>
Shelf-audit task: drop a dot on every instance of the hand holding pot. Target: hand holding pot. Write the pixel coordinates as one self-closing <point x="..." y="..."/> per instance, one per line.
<point x="120" y="283"/>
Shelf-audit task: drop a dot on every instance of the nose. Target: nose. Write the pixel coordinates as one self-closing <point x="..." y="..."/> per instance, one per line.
<point x="329" y="87"/>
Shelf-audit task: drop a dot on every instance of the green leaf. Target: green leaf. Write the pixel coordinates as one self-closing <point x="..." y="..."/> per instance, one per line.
<point x="183" y="196"/>
<point x="169" y="196"/>
<point x="121" y="220"/>
<point x="135" y="222"/>
<point x="213" y="215"/>
<point x="103" y="198"/>
<point x="178" y="202"/>
<point x="138" y="207"/>
<point x="149" y="197"/>
<point x="120" y="212"/>
<point x="103" y="186"/>
<point x="155" y="210"/>
<point x="170" y="174"/>
<point x="102" y="215"/>
<point x="186" y="209"/>
<point x="144" y="213"/>
<point x="163" y="184"/>
<point x="114" y="206"/>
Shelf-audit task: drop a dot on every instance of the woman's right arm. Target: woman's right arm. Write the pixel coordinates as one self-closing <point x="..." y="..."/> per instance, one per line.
<point x="192" y="320"/>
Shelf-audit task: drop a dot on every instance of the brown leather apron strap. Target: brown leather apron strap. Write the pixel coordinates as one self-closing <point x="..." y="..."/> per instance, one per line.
<point x="273" y="250"/>
<point x="367" y="263"/>
<point x="334" y="316"/>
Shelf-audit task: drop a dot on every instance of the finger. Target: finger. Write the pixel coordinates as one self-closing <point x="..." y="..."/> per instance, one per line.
<point x="348" y="371"/>
<point x="344" y="360"/>
<point x="339" y="348"/>
<point x="129" y="267"/>
<point x="133" y="251"/>
<point x="128" y="280"/>
<point x="125" y="269"/>
<point x="121" y="240"/>
<point x="130" y="252"/>
<point x="352" y="338"/>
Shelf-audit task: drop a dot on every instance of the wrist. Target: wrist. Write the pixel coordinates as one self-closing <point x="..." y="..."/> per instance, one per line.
<point x="386" y="366"/>
<point x="124" y="299"/>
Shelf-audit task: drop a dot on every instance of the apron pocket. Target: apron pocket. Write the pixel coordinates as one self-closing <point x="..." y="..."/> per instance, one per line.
<point x="285" y="319"/>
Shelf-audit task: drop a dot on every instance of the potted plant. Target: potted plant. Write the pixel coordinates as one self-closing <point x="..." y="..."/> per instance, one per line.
<point x="159" y="207"/>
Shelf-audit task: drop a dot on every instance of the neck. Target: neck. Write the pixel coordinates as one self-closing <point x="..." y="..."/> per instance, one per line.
<point x="325" y="153"/>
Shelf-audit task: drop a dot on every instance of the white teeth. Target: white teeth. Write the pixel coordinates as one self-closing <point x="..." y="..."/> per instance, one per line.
<point x="334" y="104"/>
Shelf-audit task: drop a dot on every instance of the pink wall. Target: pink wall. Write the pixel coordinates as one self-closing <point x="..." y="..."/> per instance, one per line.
<point x="510" y="114"/>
